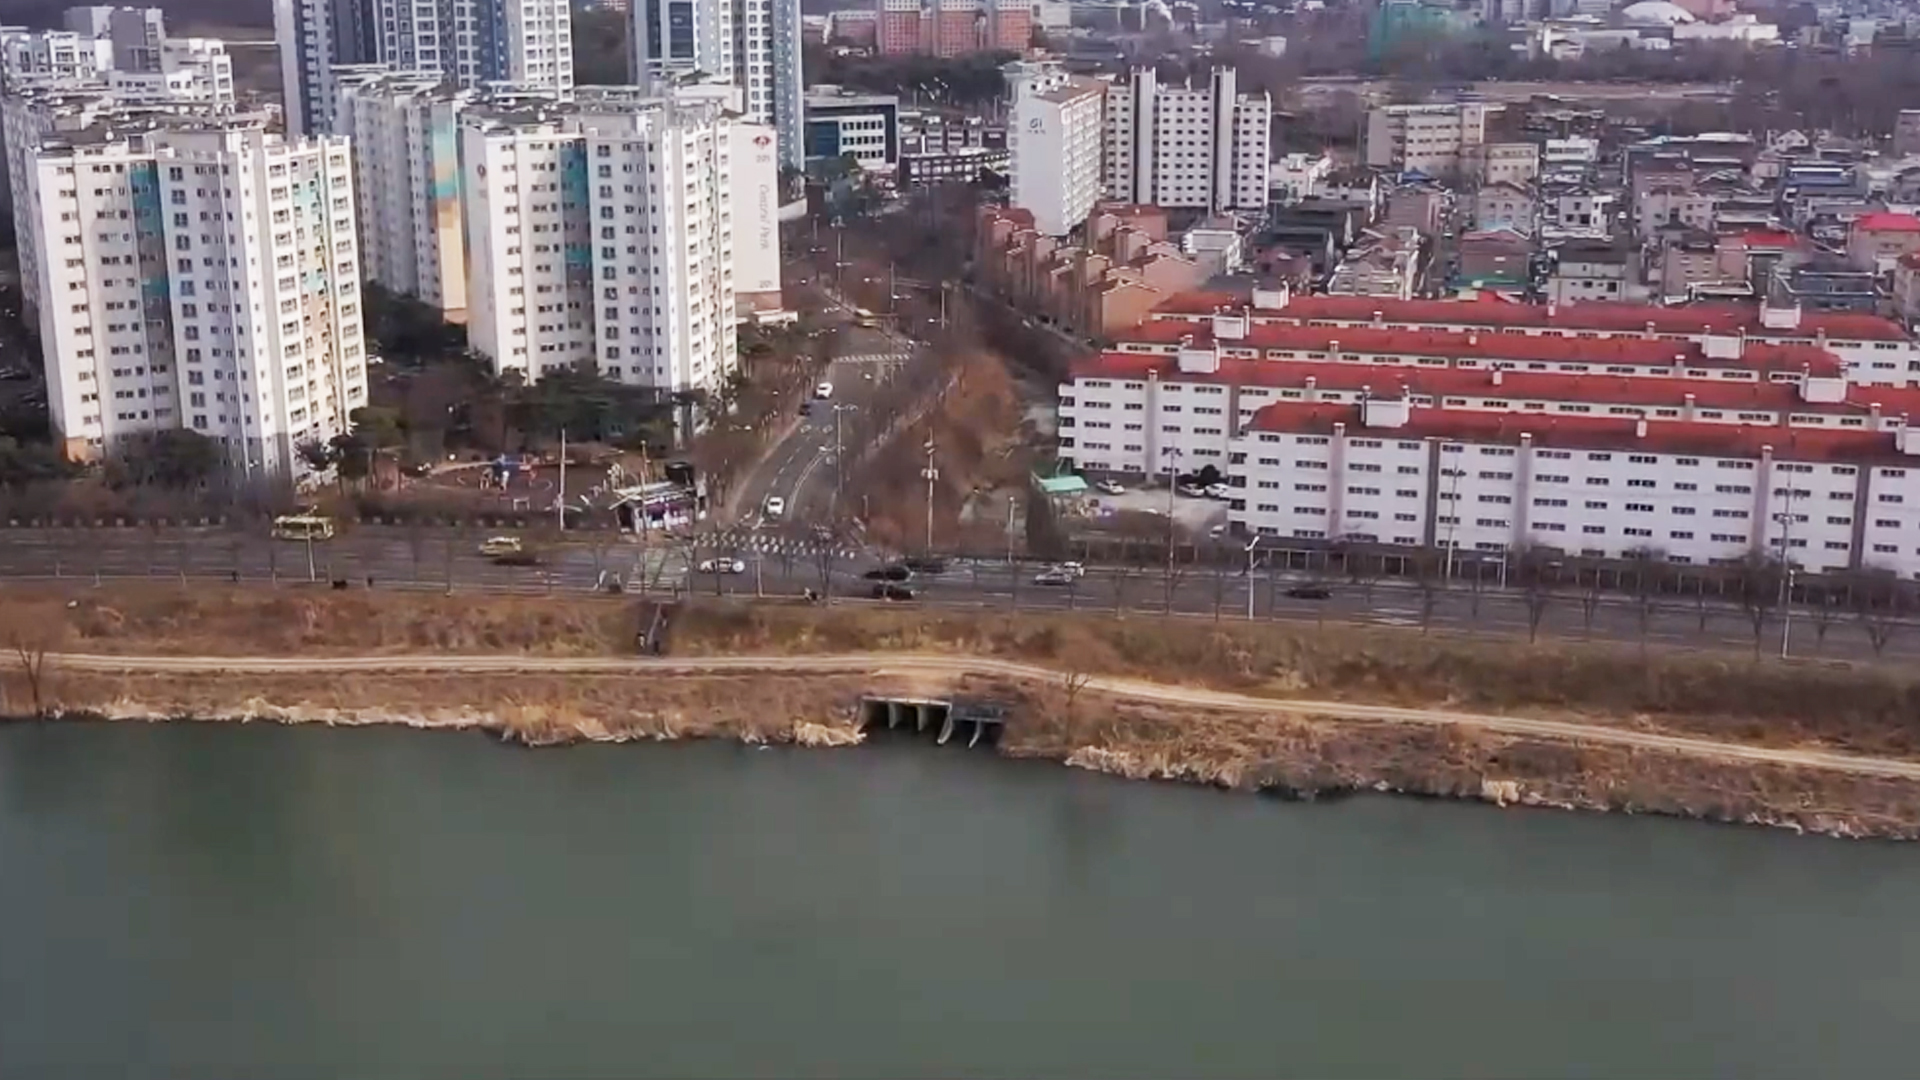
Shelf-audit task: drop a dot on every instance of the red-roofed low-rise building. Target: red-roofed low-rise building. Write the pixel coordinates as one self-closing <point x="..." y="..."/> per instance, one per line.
<point x="1906" y="288"/>
<point x="1874" y="349"/>
<point x="1610" y="437"/>
<point x="1386" y="471"/>
<point x="1877" y="241"/>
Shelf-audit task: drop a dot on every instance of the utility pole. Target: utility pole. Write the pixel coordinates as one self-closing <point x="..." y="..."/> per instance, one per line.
<point x="839" y="468"/>
<point x="1785" y="518"/>
<point x="1010" y="506"/>
<point x="1173" y="481"/>
<point x="560" y="504"/>
<point x="931" y="474"/>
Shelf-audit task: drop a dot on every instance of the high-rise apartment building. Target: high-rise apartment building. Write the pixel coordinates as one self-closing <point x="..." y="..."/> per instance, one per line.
<point x="204" y="278"/>
<point x="526" y="46"/>
<point x="752" y="44"/>
<point x="1188" y="147"/>
<point x="1439" y="140"/>
<point x="132" y="36"/>
<point x="35" y="112"/>
<point x="601" y="232"/>
<point x="1054" y="138"/>
<point x="405" y="134"/>
<point x="952" y="27"/>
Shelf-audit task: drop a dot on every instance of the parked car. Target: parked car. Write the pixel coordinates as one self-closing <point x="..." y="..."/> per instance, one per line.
<point x="1191" y="491"/>
<point x="1309" y="592"/>
<point x="889" y="573"/>
<point x="1054" y="576"/>
<point x="1217" y="491"/>
<point x="723" y="566"/>
<point x="1111" y="487"/>
<point x="494" y="547"/>
<point x="890" y="591"/>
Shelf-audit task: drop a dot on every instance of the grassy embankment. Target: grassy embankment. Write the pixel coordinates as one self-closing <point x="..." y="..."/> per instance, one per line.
<point x="1869" y="710"/>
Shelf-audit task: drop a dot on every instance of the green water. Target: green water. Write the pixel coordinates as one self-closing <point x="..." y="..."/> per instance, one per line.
<point x="207" y="901"/>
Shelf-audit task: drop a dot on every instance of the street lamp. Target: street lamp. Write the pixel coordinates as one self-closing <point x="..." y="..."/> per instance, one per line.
<point x="1251" y="544"/>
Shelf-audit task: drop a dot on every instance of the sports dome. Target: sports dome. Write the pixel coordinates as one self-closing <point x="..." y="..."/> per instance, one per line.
<point x="1656" y="13"/>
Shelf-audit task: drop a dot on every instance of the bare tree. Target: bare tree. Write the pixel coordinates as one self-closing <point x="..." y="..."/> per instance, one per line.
<point x="1824" y="609"/>
<point x="1426" y="578"/>
<point x="1760" y="579"/>
<point x="1648" y="567"/>
<point x="1538" y="573"/>
<point x="31" y="653"/>
<point x="1071" y="684"/>
<point x="1880" y="599"/>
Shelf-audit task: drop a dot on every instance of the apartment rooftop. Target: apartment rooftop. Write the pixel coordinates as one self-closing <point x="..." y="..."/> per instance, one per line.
<point x="1601" y="317"/>
<point x="1604" y="433"/>
<point x="1761" y="357"/>
<point x="1600" y="390"/>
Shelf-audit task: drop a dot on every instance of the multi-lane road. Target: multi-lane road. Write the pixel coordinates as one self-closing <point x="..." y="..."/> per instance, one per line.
<point x="782" y="565"/>
<point x="802" y="468"/>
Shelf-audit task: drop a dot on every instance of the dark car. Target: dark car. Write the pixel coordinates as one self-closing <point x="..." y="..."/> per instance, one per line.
<point x="889" y="573"/>
<point x="925" y="564"/>
<point x="517" y="558"/>
<point x="891" y="591"/>
<point x="1309" y="592"/>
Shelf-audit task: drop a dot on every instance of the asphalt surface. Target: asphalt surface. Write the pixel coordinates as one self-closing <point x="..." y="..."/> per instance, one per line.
<point x="778" y="565"/>
<point x="801" y="468"/>
<point x="921" y="664"/>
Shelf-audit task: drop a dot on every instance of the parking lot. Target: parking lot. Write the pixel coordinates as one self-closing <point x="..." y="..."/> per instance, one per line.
<point x="1194" y="515"/>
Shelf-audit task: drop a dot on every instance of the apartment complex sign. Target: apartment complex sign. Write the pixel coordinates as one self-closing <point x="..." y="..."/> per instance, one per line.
<point x="756" y="211"/>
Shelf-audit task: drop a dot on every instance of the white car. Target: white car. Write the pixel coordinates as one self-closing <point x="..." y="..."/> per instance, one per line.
<point x="776" y="506"/>
<point x="1219" y="491"/>
<point x="723" y="566"/>
<point x="1111" y="487"/>
<point x="823" y="391"/>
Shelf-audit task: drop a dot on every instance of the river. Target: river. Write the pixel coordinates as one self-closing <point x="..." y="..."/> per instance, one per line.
<point x="208" y="900"/>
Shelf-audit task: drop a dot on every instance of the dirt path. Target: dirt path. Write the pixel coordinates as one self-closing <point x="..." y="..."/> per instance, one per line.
<point x="921" y="665"/>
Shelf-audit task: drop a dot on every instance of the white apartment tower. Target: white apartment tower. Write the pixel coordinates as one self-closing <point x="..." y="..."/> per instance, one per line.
<point x="601" y="233"/>
<point x="1187" y="147"/>
<point x="32" y="114"/>
<point x="752" y="44"/>
<point x="1054" y="136"/>
<point x="525" y="45"/>
<point x="206" y="279"/>
<point x="405" y="133"/>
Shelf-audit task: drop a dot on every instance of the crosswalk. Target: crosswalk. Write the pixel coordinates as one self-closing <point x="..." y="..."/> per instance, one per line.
<point x="767" y="544"/>
<point x="880" y="359"/>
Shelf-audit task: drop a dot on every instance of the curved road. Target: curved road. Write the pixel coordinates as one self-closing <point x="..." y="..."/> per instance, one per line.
<point x="910" y="664"/>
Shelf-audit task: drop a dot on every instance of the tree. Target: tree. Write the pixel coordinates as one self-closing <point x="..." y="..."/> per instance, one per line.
<point x="30" y="651"/>
<point x="23" y="463"/>
<point x="173" y="458"/>
<point x="1880" y="601"/>
<point x="1760" y="580"/>
<point x="1426" y="578"/>
<point x="1647" y="565"/>
<point x="1538" y="572"/>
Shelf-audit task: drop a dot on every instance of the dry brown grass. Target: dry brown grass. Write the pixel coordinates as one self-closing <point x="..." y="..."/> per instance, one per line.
<point x="537" y="710"/>
<point x="1873" y="710"/>
<point x="205" y="621"/>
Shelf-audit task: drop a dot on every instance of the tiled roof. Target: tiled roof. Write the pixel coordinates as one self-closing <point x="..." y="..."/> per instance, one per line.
<point x="1887" y="223"/>
<point x="1639" y="390"/>
<point x="1845" y="446"/>
<point x="1596" y="316"/>
<point x="1520" y="348"/>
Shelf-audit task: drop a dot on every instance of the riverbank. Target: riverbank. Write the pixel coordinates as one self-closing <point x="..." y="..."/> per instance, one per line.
<point x="1613" y="694"/>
